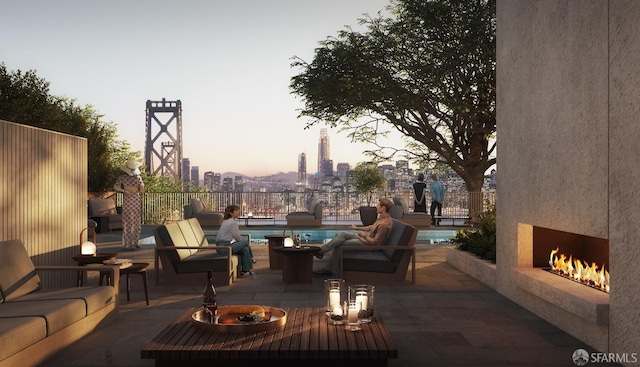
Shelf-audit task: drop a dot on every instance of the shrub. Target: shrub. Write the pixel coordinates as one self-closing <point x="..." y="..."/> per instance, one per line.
<point x="480" y="240"/>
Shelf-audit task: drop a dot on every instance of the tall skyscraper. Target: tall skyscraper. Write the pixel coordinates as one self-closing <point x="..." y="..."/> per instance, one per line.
<point x="195" y="175"/>
<point x="342" y="169"/>
<point x="186" y="171"/>
<point x="323" y="149"/>
<point x="302" y="169"/>
<point x="239" y="184"/>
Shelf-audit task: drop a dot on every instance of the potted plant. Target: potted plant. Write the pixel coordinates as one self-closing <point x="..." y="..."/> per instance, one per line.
<point x="367" y="179"/>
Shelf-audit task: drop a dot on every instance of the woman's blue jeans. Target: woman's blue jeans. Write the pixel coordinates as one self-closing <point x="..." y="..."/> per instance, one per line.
<point x="240" y="248"/>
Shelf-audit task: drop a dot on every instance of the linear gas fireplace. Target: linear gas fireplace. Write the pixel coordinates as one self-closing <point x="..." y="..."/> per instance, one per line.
<point x="576" y="257"/>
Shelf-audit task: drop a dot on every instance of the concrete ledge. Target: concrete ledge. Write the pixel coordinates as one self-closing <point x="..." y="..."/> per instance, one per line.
<point x="585" y="302"/>
<point x="482" y="270"/>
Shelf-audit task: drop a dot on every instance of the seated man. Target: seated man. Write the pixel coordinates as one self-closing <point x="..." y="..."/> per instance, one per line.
<point x="377" y="236"/>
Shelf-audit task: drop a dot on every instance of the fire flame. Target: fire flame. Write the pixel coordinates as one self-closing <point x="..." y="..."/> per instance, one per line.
<point x="574" y="269"/>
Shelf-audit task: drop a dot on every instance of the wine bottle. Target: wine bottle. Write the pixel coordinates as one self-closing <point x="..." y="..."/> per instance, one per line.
<point x="209" y="301"/>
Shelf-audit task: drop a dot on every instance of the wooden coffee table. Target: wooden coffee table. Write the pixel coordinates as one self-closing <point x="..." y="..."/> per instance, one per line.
<point x="307" y="339"/>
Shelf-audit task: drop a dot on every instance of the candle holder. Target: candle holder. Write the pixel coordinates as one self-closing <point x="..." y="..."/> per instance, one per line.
<point x="364" y="294"/>
<point x="353" y="315"/>
<point x="333" y="293"/>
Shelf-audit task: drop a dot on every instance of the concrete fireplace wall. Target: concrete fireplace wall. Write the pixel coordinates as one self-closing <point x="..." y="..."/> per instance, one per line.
<point x="568" y="127"/>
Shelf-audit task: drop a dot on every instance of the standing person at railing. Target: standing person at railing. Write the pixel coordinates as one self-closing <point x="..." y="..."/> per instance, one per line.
<point x="419" y="191"/>
<point x="437" y="197"/>
<point x="229" y="235"/>
<point x="131" y="185"/>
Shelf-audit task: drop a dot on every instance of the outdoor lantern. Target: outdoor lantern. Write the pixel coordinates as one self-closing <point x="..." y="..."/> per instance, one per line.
<point x="288" y="242"/>
<point x="88" y="248"/>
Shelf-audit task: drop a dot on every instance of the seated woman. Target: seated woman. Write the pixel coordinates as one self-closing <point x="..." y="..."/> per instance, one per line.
<point x="229" y="235"/>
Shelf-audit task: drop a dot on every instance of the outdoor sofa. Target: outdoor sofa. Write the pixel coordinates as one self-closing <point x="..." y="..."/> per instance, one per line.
<point x="36" y="323"/>
<point x="197" y="209"/>
<point x="185" y="253"/>
<point x="381" y="264"/>
<point x="400" y="211"/>
<point x="310" y="218"/>
<point x="105" y="213"/>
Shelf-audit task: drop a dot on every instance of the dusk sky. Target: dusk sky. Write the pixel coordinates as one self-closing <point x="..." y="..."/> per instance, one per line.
<point x="227" y="61"/>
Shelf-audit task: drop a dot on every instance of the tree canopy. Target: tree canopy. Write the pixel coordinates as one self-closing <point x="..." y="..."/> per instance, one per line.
<point x="427" y="71"/>
<point x="25" y="99"/>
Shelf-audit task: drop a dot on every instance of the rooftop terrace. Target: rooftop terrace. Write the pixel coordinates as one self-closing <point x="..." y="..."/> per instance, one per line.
<point x="446" y="319"/>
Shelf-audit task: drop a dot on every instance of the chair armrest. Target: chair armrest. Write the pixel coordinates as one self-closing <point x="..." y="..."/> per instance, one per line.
<point x="112" y="270"/>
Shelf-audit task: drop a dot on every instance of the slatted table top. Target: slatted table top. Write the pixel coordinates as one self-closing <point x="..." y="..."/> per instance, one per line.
<point x="308" y="337"/>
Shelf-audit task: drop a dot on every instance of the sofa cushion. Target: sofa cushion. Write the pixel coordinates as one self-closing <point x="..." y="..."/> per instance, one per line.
<point x="17" y="274"/>
<point x="164" y="236"/>
<point x="58" y="313"/>
<point x="198" y="232"/>
<point x="403" y="203"/>
<point x="102" y="207"/>
<point x="197" y="206"/>
<point x="375" y="261"/>
<point x="202" y="261"/>
<point x="188" y="236"/>
<point x="17" y="333"/>
<point x="312" y="206"/>
<point x="95" y="298"/>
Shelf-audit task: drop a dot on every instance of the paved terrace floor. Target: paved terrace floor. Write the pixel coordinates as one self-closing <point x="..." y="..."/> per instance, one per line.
<point x="446" y="319"/>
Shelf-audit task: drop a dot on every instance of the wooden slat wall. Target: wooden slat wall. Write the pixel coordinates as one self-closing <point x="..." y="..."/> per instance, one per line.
<point x="43" y="195"/>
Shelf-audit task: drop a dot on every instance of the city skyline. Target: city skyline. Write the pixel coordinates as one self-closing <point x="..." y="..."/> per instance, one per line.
<point x="228" y="62"/>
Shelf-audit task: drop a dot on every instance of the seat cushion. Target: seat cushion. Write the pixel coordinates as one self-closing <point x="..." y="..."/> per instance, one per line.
<point x="102" y="207"/>
<point x="17" y="274"/>
<point x="375" y="261"/>
<point x="17" y="333"/>
<point x="203" y="261"/>
<point x="57" y="313"/>
<point x="95" y="298"/>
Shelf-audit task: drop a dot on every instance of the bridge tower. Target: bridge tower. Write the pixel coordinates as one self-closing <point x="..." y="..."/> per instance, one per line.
<point x="163" y="148"/>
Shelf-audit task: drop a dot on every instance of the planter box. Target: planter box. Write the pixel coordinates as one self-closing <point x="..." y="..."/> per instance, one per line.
<point x="482" y="270"/>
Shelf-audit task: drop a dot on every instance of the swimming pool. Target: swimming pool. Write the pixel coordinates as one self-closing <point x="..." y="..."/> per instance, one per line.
<point x="323" y="235"/>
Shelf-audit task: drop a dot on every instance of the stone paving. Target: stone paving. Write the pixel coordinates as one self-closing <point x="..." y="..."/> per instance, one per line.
<point x="446" y="319"/>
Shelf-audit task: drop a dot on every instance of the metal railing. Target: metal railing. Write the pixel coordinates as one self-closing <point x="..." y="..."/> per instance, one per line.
<point x="158" y="208"/>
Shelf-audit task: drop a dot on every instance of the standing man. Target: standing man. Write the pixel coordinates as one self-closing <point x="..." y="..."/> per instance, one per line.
<point x="378" y="233"/>
<point x="437" y="197"/>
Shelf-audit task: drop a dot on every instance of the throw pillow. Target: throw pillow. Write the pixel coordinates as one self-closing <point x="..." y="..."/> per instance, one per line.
<point x="312" y="206"/>
<point x="197" y="206"/>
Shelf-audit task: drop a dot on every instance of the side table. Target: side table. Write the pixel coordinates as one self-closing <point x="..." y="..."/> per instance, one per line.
<point x="82" y="260"/>
<point x="135" y="268"/>
<point x="297" y="263"/>
<point x="275" y="240"/>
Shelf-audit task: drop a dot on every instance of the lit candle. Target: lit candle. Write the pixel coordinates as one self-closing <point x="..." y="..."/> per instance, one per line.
<point x="361" y="298"/>
<point x="337" y="310"/>
<point x="353" y="313"/>
<point x="334" y="297"/>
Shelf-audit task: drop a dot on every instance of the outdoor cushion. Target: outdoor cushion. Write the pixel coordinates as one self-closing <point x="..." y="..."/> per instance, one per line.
<point x="312" y="206"/>
<point x="95" y="298"/>
<point x="20" y="332"/>
<point x="375" y="261"/>
<point x="102" y="207"/>
<point x="17" y="274"/>
<point x="203" y="261"/>
<point x="403" y="203"/>
<point x="197" y="206"/>
<point x="58" y="313"/>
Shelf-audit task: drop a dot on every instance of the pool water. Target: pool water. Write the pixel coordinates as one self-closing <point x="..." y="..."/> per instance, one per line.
<point x="324" y="235"/>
